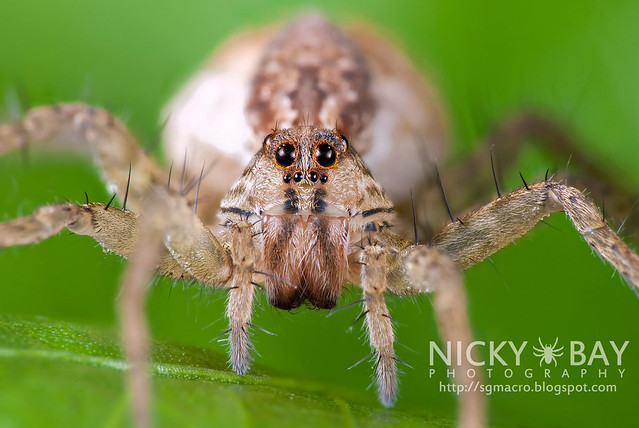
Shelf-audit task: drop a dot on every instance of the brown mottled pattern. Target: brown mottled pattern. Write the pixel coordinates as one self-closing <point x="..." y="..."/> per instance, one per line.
<point x="311" y="73"/>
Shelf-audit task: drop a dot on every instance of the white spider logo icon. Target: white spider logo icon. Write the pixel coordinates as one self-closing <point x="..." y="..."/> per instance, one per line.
<point x="548" y="353"/>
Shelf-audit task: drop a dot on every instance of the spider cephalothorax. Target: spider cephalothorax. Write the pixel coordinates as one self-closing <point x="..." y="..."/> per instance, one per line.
<point x="311" y="191"/>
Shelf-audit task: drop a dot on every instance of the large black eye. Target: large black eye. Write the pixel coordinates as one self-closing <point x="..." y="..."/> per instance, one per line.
<point x="325" y="155"/>
<point x="285" y="155"/>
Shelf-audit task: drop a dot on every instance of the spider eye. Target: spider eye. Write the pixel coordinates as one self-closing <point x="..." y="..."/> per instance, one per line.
<point x="344" y="140"/>
<point x="267" y="140"/>
<point x="325" y="155"/>
<point x="285" y="155"/>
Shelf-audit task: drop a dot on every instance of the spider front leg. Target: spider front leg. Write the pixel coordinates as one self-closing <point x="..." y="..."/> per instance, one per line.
<point x="422" y="269"/>
<point x="484" y="231"/>
<point x="417" y="269"/>
<point x="241" y="288"/>
<point x="380" y="329"/>
<point x="209" y="261"/>
<point x="168" y="227"/>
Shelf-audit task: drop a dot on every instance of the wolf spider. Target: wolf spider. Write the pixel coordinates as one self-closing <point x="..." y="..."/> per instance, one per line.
<point x="306" y="217"/>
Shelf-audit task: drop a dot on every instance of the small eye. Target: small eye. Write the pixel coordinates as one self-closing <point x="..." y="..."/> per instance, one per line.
<point x="285" y="155"/>
<point x="344" y="140"/>
<point x="325" y="155"/>
<point x="267" y="140"/>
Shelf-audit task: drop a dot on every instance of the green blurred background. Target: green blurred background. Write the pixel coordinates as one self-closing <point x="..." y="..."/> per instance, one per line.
<point x="577" y="61"/>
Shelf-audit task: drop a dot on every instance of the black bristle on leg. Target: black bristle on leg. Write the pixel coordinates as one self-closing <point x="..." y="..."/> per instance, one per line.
<point x="525" y="184"/>
<point x="441" y="187"/>
<point x="412" y="203"/>
<point x="197" y="190"/>
<point x="361" y="360"/>
<point x="128" y="183"/>
<point x="110" y="202"/>
<point x="492" y="165"/>
<point x="359" y="317"/>
<point x="168" y="182"/>
<point x="183" y="177"/>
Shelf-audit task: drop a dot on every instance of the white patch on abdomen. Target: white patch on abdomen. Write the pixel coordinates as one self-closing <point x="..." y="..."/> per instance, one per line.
<point x="210" y="111"/>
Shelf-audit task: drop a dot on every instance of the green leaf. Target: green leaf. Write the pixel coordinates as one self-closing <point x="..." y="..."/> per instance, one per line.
<point x="63" y="374"/>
